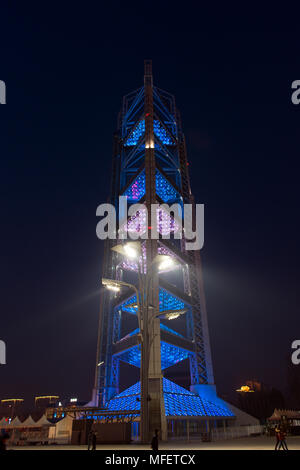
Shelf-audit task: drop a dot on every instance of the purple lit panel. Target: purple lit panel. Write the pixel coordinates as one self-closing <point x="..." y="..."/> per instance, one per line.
<point x="138" y="223"/>
<point x="137" y="189"/>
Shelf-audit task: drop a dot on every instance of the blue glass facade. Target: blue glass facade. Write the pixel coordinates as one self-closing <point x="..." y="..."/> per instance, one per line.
<point x="164" y="189"/>
<point x="178" y="402"/>
<point x="161" y="133"/>
<point x="137" y="189"/>
<point x="136" y="134"/>
<point x="170" y="355"/>
<point x="139" y="131"/>
<point x="167" y="301"/>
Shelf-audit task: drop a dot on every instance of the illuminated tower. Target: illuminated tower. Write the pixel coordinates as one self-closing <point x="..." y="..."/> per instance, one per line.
<point x="150" y="166"/>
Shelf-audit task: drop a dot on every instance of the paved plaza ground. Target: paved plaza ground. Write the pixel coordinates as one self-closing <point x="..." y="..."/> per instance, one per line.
<point x="244" y="443"/>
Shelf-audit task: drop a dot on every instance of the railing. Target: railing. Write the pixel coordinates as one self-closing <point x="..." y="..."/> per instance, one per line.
<point x="219" y="434"/>
<point x="235" y="432"/>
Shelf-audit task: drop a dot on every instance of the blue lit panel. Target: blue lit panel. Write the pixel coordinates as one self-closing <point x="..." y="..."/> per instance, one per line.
<point x="139" y="131"/>
<point x="164" y="189"/>
<point x="127" y="400"/>
<point x="137" y="189"/>
<point x="132" y="356"/>
<point x="103" y="418"/>
<point x="170" y="355"/>
<point x="161" y="133"/>
<point x="168" y="301"/>
<point x="178" y="402"/>
<point x="136" y="134"/>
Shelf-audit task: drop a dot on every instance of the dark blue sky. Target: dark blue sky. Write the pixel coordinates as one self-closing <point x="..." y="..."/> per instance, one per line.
<point x="66" y="70"/>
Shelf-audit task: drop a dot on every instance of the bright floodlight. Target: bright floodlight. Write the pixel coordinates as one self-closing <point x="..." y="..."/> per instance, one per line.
<point x="111" y="285"/>
<point x="130" y="251"/>
<point x="166" y="263"/>
<point x="172" y="314"/>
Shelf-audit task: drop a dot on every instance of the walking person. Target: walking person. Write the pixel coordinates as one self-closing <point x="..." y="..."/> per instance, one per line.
<point x="90" y="439"/>
<point x="282" y="437"/>
<point x="154" y="442"/>
<point x="277" y="433"/>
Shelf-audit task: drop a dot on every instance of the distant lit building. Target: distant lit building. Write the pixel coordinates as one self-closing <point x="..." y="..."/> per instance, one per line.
<point x="245" y="389"/>
<point x="259" y="399"/>
<point x="45" y="401"/>
<point x="59" y="410"/>
<point x="289" y="419"/>
<point x="55" y="413"/>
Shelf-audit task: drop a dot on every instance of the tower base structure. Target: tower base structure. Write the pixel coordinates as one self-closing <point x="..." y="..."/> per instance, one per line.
<point x="182" y="408"/>
<point x="208" y="392"/>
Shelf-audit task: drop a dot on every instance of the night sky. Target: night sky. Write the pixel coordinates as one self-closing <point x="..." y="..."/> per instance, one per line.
<point x="66" y="70"/>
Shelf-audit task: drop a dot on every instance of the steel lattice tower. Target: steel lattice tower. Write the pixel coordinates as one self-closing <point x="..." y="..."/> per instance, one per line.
<point x="150" y="166"/>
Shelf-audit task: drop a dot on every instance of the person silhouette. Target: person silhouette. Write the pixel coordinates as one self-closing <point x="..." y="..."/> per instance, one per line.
<point x="277" y="433"/>
<point x="154" y="442"/>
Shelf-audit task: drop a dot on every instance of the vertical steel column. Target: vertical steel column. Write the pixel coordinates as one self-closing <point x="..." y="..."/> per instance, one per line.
<point x="154" y="405"/>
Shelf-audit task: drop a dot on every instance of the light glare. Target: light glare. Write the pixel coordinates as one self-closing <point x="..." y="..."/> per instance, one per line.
<point x="113" y="288"/>
<point x="166" y="263"/>
<point x="130" y="252"/>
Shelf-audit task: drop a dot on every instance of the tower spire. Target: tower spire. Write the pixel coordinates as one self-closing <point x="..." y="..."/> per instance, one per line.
<point x="148" y="79"/>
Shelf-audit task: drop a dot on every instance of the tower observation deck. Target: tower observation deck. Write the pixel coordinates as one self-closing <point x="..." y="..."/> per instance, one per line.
<point x="149" y="167"/>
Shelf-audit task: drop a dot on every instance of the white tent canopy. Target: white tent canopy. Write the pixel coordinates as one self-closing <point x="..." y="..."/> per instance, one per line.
<point x="15" y="423"/>
<point x="28" y="423"/>
<point x="43" y="421"/>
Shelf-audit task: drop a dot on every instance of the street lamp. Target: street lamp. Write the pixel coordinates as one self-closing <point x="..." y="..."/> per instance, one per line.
<point x="115" y="285"/>
<point x="113" y="288"/>
<point x="133" y="251"/>
<point x="171" y="314"/>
